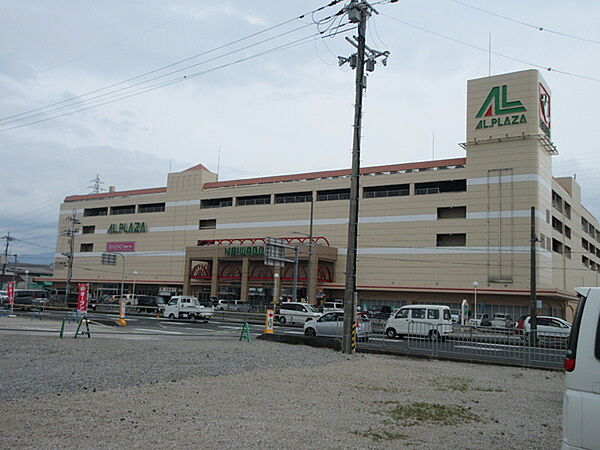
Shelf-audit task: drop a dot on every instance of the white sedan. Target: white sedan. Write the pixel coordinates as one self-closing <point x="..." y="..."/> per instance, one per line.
<point x="331" y="324"/>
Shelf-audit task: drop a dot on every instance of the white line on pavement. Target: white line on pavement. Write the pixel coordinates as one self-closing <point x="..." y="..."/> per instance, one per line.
<point x="157" y="331"/>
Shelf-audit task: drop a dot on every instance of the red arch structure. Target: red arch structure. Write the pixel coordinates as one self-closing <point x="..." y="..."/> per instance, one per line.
<point x="254" y="241"/>
<point x="200" y="272"/>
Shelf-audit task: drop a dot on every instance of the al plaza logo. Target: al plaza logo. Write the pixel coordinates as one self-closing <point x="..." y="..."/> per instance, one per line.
<point x="496" y="104"/>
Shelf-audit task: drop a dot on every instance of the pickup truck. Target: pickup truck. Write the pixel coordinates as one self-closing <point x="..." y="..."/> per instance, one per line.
<point x="186" y="307"/>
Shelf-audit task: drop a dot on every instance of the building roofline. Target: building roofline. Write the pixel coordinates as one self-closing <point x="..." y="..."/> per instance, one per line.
<point x="336" y="173"/>
<point x="276" y="179"/>
<point x="157" y="190"/>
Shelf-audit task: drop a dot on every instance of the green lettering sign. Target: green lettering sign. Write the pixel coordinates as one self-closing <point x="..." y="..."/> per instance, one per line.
<point x="244" y="251"/>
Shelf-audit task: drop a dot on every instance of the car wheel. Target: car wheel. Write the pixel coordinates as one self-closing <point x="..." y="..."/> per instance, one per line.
<point x="282" y="320"/>
<point x="390" y="333"/>
<point x="434" y="335"/>
<point x="171" y="316"/>
<point x="192" y="317"/>
<point x="310" y="332"/>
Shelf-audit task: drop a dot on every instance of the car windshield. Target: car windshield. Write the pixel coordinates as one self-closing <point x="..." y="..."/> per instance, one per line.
<point x="310" y="308"/>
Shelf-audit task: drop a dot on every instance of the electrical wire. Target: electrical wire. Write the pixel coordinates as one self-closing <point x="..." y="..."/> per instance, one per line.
<point x="529" y="25"/>
<point x="486" y="50"/>
<point x="182" y="78"/>
<point x="236" y="41"/>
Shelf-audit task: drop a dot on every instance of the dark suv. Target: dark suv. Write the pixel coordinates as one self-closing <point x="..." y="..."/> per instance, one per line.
<point x="151" y="304"/>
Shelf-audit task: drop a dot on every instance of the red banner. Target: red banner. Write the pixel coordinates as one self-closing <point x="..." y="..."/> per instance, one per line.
<point x="10" y="292"/>
<point x="82" y="298"/>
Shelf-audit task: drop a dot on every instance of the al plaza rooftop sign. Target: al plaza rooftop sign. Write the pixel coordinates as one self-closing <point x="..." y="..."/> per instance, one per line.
<point x="132" y="227"/>
<point x="497" y="104"/>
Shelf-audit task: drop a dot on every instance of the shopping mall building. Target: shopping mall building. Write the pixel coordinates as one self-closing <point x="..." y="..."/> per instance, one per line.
<point x="427" y="230"/>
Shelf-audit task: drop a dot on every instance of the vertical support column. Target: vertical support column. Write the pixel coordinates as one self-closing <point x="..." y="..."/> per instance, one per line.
<point x="312" y="276"/>
<point x="214" y="280"/>
<point x="187" y="285"/>
<point x="245" y="270"/>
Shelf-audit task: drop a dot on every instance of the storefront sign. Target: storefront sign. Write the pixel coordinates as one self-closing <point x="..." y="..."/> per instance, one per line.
<point x="132" y="227"/>
<point x="82" y="298"/>
<point x="10" y="292"/>
<point x="269" y="321"/>
<point x="120" y="246"/>
<point x="244" y="251"/>
<point x="497" y="104"/>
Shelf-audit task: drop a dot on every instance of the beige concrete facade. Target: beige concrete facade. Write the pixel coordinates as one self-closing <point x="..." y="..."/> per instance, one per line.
<point x="427" y="230"/>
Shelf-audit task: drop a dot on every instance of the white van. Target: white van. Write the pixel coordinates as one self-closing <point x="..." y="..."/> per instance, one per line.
<point x="432" y="321"/>
<point x="296" y="312"/>
<point x="185" y="307"/>
<point x="333" y="306"/>
<point x="581" y="401"/>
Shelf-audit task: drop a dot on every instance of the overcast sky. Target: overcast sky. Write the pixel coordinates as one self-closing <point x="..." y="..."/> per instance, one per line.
<point x="283" y="112"/>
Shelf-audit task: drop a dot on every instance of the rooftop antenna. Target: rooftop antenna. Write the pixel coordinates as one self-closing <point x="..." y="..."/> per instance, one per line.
<point x="490" y="53"/>
<point x="218" y="162"/>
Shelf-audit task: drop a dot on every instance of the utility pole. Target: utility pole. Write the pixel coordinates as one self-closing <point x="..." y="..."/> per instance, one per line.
<point x="8" y="238"/>
<point x="70" y="233"/>
<point x="310" y="244"/>
<point x="532" y="280"/>
<point x="358" y="12"/>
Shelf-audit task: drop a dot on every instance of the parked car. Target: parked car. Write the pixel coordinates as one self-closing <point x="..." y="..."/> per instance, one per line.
<point x="231" y="305"/>
<point x="547" y="328"/>
<point x="296" y="312"/>
<point x="30" y="298"/>
<point x="481" y="320"/>
<point x="455" y="314"/>
<point x="581" y="400"/>
<point x="151" y="304"/>
<point x="380" y="312"/>
<point x="502" y="320"/>
<point x="331" y="324"/>
<point x="333" y="306"/>
<point x="432" y="321"/>
<point x="186" y="307"/>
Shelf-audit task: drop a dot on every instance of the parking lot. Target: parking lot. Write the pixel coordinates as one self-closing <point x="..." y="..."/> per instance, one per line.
<point x="185" y="390"/>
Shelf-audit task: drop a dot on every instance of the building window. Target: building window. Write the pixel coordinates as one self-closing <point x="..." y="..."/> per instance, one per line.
<point x="585" y="261"/>
<point x="568" y="251"/>
<point x="557" y="246"/>
<point x="117" y="210"/>
<point x="293" y="197"/>
<point x="585" y="244"/>
<point x="86" y="248"/>
<point x="208" y="224"/>
<point x="216" y="203"/>
<point x="547" y="216"/>
<point x="88" y="229"/>
<point x="89" y="212"/>
<point x="542" y="241"/>
<point x="254" y="200"/>
<point x="440" y="187"/>
<point x="557" y="201"/>
<point x="584" y="224"/>
<point x="452" y="212"/>
<point x="567" y="232"/>
<point x="151" y="207"/>
<point x="395" y="190"/>
<point x="567" y="210"/>
<point x="451" y="240"/>
<point x="333" y="194"/>
<point x="557" y="225"/>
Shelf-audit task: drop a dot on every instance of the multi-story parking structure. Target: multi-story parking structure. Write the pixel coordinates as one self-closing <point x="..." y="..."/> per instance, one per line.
<point x="427" y="230"/>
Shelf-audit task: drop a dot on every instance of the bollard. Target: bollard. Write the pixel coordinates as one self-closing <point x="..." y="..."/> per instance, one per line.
<point x="269" y="322"/>
<point x="121" y="320"/>
<point x="245" y="335"/>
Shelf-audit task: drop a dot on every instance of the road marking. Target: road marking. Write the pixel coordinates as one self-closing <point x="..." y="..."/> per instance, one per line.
<point x="157" y="331"/>
<point x="173" y="323"/>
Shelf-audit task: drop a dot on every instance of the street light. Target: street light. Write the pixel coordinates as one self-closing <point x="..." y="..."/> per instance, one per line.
<point x="26" y="278"/>
<point x="135" y="272"/>
<point x="475" y="284"/>
<point x="275" y="289"/>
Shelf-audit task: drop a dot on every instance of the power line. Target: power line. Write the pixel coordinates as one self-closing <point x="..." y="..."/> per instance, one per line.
<point x="236" y="41"/>
<point x="487" y="50"/>
<point x="529" y="25"/>
<point x="183" y="78"/>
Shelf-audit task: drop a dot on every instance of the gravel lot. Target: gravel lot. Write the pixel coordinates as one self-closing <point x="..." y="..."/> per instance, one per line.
<point x="104" y="393"/>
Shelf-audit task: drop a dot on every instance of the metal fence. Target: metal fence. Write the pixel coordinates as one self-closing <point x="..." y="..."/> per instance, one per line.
<point x="544" y="348"/>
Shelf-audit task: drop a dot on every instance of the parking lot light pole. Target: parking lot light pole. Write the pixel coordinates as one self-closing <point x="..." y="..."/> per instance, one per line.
<point x="475" y="284"/>
<point x="135" y="273"/>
